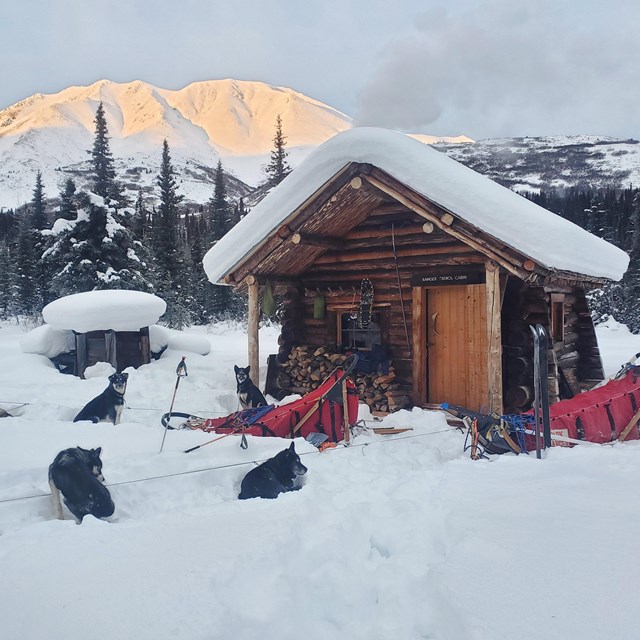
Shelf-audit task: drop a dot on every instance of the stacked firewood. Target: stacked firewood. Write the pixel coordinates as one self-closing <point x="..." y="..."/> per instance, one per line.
<point x="306" y="368"/>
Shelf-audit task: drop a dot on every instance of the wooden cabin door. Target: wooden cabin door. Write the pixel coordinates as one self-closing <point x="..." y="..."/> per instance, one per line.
<point x="457" y="345"/>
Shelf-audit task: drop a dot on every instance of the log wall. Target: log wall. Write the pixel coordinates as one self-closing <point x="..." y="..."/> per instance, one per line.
<point x="367" y="251"/>
<point x="574" y="362"/>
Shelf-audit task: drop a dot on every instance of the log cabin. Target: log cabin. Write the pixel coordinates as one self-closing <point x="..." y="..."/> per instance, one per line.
<point x="460" y="267"/>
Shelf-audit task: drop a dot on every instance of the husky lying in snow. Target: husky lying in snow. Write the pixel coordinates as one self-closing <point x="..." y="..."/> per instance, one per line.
<point x="274" y="476"/>
<point x="108" y="406"/>
<point x="77" y="474"/>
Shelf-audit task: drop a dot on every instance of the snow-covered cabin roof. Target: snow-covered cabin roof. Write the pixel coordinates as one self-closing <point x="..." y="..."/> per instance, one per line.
<point x="544" y="237"/>
<point x="115" y="309"/>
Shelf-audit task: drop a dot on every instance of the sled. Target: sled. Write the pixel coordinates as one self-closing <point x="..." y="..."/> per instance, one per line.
<point x="605" y="414"/>
<point x="321" y="411"/>
<point x="602" y="414"/>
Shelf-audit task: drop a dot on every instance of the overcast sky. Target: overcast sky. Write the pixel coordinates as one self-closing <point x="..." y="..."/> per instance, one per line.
<point x="483" y="68"/>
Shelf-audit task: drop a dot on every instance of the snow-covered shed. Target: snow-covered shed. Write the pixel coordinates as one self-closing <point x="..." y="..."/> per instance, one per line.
<point x="109" y="326"/>
<point x="460" y="267"/>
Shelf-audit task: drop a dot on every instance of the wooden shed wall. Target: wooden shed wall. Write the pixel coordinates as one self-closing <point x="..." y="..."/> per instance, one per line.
<point x="121" y="349"/>
<point x="574" y="362"/>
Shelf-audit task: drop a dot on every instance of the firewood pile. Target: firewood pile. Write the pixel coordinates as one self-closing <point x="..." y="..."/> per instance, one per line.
<point x="307" y="367"/>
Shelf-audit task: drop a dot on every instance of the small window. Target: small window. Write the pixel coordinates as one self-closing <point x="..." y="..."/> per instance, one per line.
<point x="352" y="336"/>
<point x="557" y="317"/>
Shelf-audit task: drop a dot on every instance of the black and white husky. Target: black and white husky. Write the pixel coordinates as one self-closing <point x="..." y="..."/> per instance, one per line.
<point x="108" y="406"/>
<point x="274" y="476"/>
<point x="77" y="474"/>
<point x="248" y="394"/>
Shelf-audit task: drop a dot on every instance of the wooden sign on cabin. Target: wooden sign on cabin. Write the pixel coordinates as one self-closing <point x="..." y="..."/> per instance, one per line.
<point x="447" y="279"/>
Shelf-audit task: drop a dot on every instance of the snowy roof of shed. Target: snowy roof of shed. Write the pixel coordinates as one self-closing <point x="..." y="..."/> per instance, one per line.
<point x="544" y="237"/>
<point x="115" y="309"/>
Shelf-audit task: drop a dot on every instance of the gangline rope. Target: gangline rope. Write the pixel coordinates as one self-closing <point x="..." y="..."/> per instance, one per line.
<point x="236" y="464"/>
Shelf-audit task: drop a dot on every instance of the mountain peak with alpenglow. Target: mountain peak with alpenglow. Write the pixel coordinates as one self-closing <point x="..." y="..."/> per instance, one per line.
<point x="228" y="120"/>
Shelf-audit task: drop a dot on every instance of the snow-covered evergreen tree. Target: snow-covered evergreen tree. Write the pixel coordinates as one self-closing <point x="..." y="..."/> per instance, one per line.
<point x="278" y="168"/>
<point x="103" y="171"/>
<point x="104" y="174"/>
<point x="96" y="250"/>
<point x="170" y="273"/>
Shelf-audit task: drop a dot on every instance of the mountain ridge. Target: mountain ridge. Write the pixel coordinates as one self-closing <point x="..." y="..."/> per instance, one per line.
<point x="234" y="121"/>
<point x="207" y="121"/>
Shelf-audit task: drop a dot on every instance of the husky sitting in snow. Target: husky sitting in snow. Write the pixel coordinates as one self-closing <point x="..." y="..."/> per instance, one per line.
<point x="248" y="394"/>
<point x="108" y="406"/>
<point x="274" y="476"/>
<point x="77" y="474"/>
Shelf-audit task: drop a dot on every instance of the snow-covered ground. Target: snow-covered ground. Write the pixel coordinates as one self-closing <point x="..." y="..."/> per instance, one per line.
<point x="400" y="537"/>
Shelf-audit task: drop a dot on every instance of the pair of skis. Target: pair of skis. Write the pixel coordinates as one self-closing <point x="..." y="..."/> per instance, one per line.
<point x="541" y="388"/>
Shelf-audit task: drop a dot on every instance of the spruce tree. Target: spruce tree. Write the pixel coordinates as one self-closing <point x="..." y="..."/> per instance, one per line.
<point x="219" y="208"/>
<point x="239" y="212"/>
<point x="38" y="215"/>
<point x="218" y="297"/>
<point x="41" y="242"/>
<point x="278" y="168"/>
<point x="28" y="301"/>
<point x="7" y="282"/>
<point x="96" y="250"/>
<point x="140" y="223"/>
<point x="68" y="210"/>
<point x="104" y="174"/>
<point x="170" y="273"/>
<point x="201" y="288"/>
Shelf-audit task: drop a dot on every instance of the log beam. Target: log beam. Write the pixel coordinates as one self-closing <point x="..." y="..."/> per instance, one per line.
<point x="494" y="337"/>
<point x="419" y="347"/>
<point x="252" y="328"/>
<point x="445" y="224"/>
<point x="316" y="241"/>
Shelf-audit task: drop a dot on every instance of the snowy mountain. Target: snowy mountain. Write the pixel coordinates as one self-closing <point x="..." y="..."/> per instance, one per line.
<point x="234" y="121"/>
<point x="529" y="164"/>
<point x="206" y="121"/>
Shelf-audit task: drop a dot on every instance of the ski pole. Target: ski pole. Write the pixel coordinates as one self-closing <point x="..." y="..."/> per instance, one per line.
<point x="204" y="444"/>
<point x="544" y="384"/>
<point x="181" y="371"/>
<point x="536" y="387"/>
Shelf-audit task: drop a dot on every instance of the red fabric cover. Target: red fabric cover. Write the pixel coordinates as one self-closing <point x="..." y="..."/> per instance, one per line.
<point x="281" y="421"/>
<point x="594" y="407"/>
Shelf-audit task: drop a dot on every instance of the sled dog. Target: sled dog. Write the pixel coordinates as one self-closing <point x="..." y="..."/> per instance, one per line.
<point x="274" y="476"/>
<point x="248" y="394"/>
<point x="108" y="406"/>
<point x="77" y="474"/>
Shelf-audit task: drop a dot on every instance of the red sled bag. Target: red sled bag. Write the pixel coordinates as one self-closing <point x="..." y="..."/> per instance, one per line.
<point x="599" y="415"/>
<point x="321" y="410"/>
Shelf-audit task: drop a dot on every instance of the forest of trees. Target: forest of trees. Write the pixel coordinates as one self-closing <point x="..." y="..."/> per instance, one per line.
<point x="612" y="214"/>
<point x="98" y="239"/>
